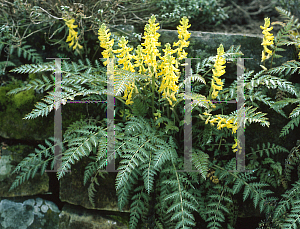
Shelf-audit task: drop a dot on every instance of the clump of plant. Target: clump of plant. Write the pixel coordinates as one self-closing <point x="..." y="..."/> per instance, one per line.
<point x="149" y="143"/>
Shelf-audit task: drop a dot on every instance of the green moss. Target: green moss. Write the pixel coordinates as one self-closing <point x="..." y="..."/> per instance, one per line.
<point x="32" y="76"/>
<point x="17" y="100"/>
<point x="6" y="99"/>
<point x="119" y="218"/>
<point x="18" y="151"/>
<point x="23" y="98"/>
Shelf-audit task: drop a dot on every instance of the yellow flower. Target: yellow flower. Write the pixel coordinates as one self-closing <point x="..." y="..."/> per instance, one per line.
<point x="105" y="43"/>
<point x="267" y="40"/>
<point x="129" y="89"/>
<point x="147" y="56"/>
<point x="72" y="34"/>
<point x="151" y="42"/>
<point x="207" y="114"/>
<point x="124" y="56"/>
<point x="217" y="72"/>
<point x="183" y="36"/>
<point x="221" y="122"/>
<point x="168" y="71"/>
<point x="234" y="146"/>
<point x="139" y="57"/>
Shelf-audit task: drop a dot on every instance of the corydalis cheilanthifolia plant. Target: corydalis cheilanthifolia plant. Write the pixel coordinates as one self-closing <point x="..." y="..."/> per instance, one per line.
<point x="148" y="179"/>
<point x="146" y="59"/>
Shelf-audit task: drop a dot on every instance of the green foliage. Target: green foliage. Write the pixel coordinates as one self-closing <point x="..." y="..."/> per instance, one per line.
<point x="29" y="166"/>
<point x="202" y="11"/>
<point x="291" y="6"/>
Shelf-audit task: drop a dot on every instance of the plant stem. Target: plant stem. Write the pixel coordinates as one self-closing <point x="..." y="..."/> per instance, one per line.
<point x="168" y="110"/>
<point x="153" y="91"/>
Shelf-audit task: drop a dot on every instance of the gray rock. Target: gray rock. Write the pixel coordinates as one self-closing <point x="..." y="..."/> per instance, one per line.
<point x="5" y="167"/>
<point x="8" y="161"/>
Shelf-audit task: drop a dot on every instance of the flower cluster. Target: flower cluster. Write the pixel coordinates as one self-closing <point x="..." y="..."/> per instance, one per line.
<point x="216" y="83"/>
<point x="267" y="40"/>
<point x="213" y="178"/>
<point x="128" y="93"/>
<point x="183" y="36"/>
<point x="139" y="61"/>
<point x="222" y="122"/>
<point x="168" y="70"/>
<point x="72" y="34"/>
<point x="148" y="56"/>
<point x="124" y="56"/>
<point x="151" y="43"/>
<point x="105" y="42"/>
<point x="169" y="66"/>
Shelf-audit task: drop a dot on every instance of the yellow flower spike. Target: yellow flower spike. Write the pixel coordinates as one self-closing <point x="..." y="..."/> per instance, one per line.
<point x="217" y="72"/>
<point x="105" y="43"/>
<point x="139" y="57"/>
<point x="147" y="56"/>
<point x="267" y="40"/>
<point x="207" y="120"/>
<point x="221" y="122"/>
<point x="183" y="36"/>
<point x="72" y="34"/>
<point x="168" y="70"/>
<point x="124" y="56"/>
<point x="127" y="96"/>
<point x="151" y="42"/>
<point x="214" y="95"/>
<point x="75" y="46"/>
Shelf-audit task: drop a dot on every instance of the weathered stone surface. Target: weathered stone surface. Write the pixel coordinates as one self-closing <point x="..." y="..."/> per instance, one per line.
<point x="74" y="192"/>
<point x="13" y="108"/>
<point x="38" y="213"/>
<point x="8" y="161"/>
<point x="73" y="217"/>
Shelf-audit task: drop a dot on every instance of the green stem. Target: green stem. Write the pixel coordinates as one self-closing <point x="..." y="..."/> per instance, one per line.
<point x="153" y="91"/>
<point x="222" y="136"/>
<point x="168" y="110"/>
<point x="210" y="91"/>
